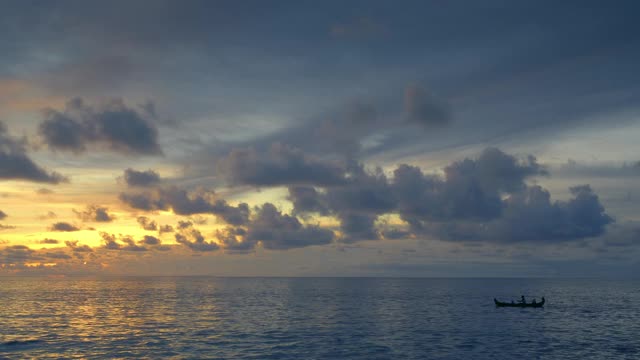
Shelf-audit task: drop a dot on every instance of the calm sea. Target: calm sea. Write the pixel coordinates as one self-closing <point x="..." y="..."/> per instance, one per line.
<point x="316" y="318"/>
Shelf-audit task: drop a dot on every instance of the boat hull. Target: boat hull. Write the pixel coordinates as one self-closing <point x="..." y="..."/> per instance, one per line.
<point x="519" y="305"/>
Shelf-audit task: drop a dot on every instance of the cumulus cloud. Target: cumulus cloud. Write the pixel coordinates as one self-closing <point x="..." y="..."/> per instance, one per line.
<point x="487" y="199"/>
<point x="123" y="243"/>
<point x="147" y="223"/>
<point x="278" y="231"/>
<point x="356" y="203"/>
<point x="63" y="226"/>
<point x="15" y="164"/>
<point x="194" y="240"/>
<point x="95" y="213"/>
<point x="234" y="240"/>
<point x="78" y="248"/>
<point x="112" y="126"/>
<point x="307" y="199"/>
<point x="530" y="215"/>
<point x="150" y="240"/>
<point x="187" y="203"/>
<point x="135" y="178"/>
<point x="482" y="198"/>
<point x="280" y="165"/>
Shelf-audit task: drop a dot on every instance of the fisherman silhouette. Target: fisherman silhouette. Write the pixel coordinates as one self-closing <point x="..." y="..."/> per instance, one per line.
<point x="522" y="301"/>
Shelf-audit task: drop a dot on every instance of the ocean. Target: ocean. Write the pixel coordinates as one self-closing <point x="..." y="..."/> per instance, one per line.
<point x="316" y="318"/>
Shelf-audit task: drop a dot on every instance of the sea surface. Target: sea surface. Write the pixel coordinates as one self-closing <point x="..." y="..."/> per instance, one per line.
<point x="316" y="318"/>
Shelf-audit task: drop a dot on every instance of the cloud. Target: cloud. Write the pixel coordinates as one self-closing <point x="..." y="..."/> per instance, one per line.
<point x="112" y="126"/>
<point x="234" y="240"/>
<point x="306" y="199"/>
<point x="194" y="240"/>
<point x="6" y="227"/>
<point x="123" y="243"/>
<point x="49" y="241"/>
<point x="95" y="213"/>
<point x="187" y="203"/>
<point x="78" y="248"/>
<point x="530" y="216"/>
<point x="15" y="164"/>
<point x="150" y="240"/>
<point x="424" y="108"/>
<point x="48" y="215"/>
<point x="17" y="255"/>
<point x="3" y="215"/>
<point x="165" y="229"/>
<point x="233" y="215"/>
<point x="63" y="226"/>
<point x="356" y="203"/>
<point x="59" y="255"/>
<point x="277" y="231"/>
<point x="141" y="178"/>
<point x="280" y="165"/>
<point x="147" y="223"/>
<point x="483" y="198"/>
<point x="470" y="189"/>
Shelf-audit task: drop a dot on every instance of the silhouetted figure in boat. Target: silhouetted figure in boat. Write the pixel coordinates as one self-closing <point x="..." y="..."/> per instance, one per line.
<point x="534" y="301"/>
<point x="522" y="301"/>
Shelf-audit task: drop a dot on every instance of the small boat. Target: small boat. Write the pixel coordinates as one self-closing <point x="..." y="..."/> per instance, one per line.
<point x="519" y="304"/>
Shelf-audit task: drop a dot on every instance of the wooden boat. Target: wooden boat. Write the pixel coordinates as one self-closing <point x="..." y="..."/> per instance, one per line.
<point x="519" y="304"/>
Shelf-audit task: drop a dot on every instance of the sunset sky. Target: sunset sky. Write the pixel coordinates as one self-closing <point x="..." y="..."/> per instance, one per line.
<point x="308" y="138"/>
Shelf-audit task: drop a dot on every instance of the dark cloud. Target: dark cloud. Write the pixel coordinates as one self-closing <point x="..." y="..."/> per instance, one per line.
<point x="44" y="191"/>
<point x="483" y="198"/>
<point x="185" y="203"/>
<point x="17" y="255"/>
<point x="277" y="231"/>
<point x="15" y="164"/>
<point x="306" y="199"/>
<point x="358" y="203"/>
<point x="3" y="215"/>
<point x="147" y="223"/>
<point x="123" y="243"/>
<point x="63" y="226"/>
<point x="141" y="178"/>
<point x="150" y="240"/>
<point x="76" y="248"/>
<point x="49" y="241"/>
<point x="234" y="240"/>
<point x="113" y="126"/>
<point x="530" y="215"/>
<point x="280" y="165"/>
<point x="165" y="229"/>
<point x="95" y="213"/>
<point x="58" y="255"/>
<point x="233" y="215"/>
<point x="470" y="189"/>
<point x="194" y="240"/>
<point x="424" y="108"/>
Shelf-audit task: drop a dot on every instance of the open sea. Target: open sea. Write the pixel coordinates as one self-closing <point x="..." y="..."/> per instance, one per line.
<point x="316" y="318"/>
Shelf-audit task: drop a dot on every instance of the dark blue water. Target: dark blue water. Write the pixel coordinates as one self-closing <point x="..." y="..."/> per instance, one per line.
<point x="316" y="318"/>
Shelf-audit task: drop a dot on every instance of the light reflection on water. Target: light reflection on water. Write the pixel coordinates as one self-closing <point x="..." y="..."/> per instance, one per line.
<point x="316" y="318"/>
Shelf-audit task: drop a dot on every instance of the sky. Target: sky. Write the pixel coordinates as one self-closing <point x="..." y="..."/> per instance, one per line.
<point x="306" y="138"/>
